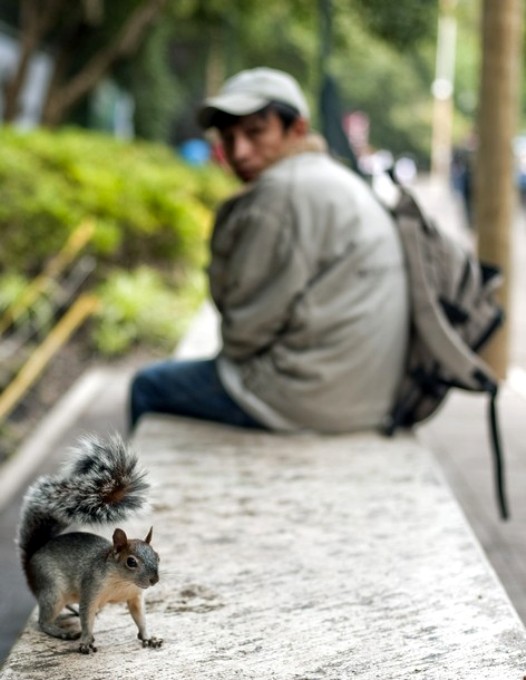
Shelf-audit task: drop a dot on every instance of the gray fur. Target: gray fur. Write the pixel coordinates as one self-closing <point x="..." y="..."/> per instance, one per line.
<point x="102" y="483"/>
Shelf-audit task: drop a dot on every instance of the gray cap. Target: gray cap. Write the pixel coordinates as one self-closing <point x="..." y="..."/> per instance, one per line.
<point x="250" y="91"/>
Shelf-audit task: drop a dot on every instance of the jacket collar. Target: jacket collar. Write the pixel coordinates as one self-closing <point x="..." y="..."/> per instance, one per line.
<point x="313" y="142"/>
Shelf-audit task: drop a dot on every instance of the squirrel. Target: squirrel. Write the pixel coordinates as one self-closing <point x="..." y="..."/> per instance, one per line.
<point x="101" y="484"/>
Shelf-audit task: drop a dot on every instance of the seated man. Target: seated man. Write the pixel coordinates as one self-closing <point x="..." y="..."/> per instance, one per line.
<point x="308" y="276"/>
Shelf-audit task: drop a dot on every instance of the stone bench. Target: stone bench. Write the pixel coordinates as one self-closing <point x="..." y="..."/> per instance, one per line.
<point x="298" y="558"/>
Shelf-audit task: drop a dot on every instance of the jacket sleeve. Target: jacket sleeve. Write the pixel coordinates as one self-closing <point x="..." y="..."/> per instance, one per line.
<point x="256" y="279"/>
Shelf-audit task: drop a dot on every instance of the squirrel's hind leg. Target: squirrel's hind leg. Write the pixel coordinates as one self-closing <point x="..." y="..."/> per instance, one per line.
<point x="49" y="608"/>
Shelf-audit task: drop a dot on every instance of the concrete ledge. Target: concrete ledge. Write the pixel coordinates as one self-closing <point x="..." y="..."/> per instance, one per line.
<point x="299" y="558"/>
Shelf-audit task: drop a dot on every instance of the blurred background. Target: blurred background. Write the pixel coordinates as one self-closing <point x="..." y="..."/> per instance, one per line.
<point x="139" y="69"/>
<point x="108" y="187"/>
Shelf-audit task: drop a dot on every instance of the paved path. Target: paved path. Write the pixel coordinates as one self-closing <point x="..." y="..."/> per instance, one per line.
<point x="458" y="434"/>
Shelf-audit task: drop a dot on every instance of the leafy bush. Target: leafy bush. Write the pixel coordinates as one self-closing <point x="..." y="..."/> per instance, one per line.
<point x="39" y="315"/>
<point x="12" y="286"/>
<point x="138" y="307"/>
<point x="148" y="207"/>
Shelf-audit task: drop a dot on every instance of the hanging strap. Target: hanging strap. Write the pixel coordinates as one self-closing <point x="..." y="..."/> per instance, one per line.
<point x="498" y="460"/>
<point x="401" y="412"/>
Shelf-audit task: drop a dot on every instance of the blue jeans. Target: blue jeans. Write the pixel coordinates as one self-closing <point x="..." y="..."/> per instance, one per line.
<point x="186" y="388"/>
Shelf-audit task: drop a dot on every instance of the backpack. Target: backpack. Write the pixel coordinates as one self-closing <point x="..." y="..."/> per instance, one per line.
<point x="453" y="314"/>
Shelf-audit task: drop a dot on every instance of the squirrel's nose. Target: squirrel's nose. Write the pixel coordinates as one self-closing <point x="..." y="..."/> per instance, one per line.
<point x="154" y="579"/>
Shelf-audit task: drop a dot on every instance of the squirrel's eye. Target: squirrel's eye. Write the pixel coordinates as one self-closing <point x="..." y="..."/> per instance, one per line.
<point x="131" y="562"/>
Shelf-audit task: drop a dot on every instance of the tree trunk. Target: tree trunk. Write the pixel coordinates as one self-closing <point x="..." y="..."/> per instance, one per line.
<point x="63" y="96"/>
<point x="215" y="63"/>
<point x="495" y="192"/>
<point x="443" y="88"/>
<point x="36" y="18"/>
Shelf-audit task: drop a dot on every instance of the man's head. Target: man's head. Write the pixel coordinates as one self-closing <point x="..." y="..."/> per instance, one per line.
<point x="261" y="114"/>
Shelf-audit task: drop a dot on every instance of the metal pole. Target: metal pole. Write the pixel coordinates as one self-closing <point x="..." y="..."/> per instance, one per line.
<point x="325" y="14"/>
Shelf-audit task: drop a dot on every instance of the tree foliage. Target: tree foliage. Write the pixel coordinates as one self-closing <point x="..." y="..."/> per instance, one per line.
<point x="87" y="38"/>
<point x="170" y="53"/>
<point x="403" y="23"/>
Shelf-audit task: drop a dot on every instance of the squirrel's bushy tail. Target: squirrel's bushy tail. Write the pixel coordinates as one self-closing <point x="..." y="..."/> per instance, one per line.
<point x="101" y="484"/>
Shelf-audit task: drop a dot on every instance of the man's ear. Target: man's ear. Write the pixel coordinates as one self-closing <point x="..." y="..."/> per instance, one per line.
<point x="300" y="126"/>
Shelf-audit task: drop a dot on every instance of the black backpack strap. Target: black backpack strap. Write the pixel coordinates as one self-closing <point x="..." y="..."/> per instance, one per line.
<point x="496" y="445"/>
<point x="401" y="414"/>
<point x="498" y="459"/>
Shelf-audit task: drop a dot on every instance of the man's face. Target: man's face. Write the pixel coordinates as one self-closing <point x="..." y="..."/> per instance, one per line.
<point x="255" y="142"/>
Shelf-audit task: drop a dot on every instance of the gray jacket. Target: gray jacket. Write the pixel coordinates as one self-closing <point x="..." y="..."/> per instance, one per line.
<point x="307" y="273"/>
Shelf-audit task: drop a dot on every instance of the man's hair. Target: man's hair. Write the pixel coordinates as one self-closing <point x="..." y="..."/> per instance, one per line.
<point x="286" y="113"/>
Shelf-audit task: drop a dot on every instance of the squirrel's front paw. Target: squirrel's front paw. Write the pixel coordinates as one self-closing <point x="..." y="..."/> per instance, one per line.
<point x="153" y="642"/>
<point x="87" y="647"/>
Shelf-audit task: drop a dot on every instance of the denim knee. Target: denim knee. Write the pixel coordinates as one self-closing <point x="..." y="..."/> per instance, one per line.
<point x="140" y="395"/>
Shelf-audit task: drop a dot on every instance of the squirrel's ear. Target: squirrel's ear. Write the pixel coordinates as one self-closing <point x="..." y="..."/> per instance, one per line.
<point x="148" y="538"/>
<point x="120" y="540"/>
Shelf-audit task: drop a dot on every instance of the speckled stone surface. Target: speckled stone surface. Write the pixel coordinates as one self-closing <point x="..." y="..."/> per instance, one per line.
<point x="298" y="558"/>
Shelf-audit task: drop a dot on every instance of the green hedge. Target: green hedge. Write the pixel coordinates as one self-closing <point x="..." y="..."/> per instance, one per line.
<point x="148" y="205"/>
<point x="150" y="209"/>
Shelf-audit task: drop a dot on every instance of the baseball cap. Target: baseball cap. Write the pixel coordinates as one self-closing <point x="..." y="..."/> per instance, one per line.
<point x="250" y="91"/>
